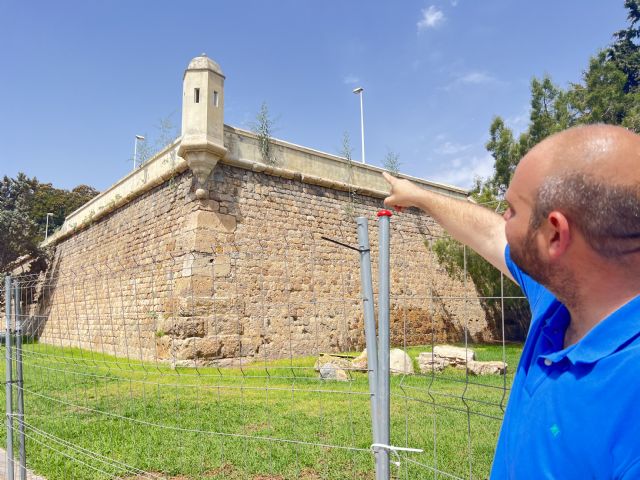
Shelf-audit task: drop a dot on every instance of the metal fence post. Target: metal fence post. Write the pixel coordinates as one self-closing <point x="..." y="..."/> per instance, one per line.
<point x="384" y="410"/>
<point x="22" y="461"/>
<point x="8" y="379"/>
<point x="370" y="331"/>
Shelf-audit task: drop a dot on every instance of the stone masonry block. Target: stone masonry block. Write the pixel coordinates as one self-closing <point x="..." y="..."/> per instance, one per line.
<point x="182" y="327"/>
<point x="222" y="265"/>
<point x="163" y="347"/>
<point x="194" y="285"/>
<point x="210" y="220"/>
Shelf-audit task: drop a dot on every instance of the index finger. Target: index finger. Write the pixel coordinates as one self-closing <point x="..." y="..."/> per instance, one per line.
<point x="389" y="178"/>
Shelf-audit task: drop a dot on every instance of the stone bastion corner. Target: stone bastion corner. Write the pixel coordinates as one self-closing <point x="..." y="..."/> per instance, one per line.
<point x="175" y="233"/>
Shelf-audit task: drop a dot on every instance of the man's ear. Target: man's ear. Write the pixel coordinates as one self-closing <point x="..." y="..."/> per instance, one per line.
<point x="559" y="235"/>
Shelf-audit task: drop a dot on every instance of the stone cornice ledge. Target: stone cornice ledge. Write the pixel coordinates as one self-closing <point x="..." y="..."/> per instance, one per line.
<point x="316" y="167"/>
<point x="296" y="159"/>
<point x="162" y="167"/>
<point x="301" y="177"/>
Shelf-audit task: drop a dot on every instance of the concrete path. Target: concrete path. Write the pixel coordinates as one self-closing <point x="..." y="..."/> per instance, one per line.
<point x="16" y="476"/>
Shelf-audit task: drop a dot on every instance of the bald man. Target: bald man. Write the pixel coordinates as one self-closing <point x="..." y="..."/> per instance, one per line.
<point x="571" y="239"/>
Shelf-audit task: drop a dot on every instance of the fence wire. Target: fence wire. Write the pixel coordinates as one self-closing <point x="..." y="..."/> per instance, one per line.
<point x="235" y="362"/>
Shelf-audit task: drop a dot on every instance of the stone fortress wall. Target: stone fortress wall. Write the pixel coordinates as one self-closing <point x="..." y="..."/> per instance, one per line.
<point x="209" y="254"/>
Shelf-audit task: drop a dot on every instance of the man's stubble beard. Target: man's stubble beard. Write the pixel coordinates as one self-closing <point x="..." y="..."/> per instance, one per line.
<point x="559" y="281"/>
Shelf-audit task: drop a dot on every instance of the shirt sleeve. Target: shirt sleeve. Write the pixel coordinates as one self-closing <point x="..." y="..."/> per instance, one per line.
<point x="532" y="289"/>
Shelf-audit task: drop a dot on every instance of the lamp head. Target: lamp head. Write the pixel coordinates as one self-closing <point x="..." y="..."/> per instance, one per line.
<point x="358" y="90"/>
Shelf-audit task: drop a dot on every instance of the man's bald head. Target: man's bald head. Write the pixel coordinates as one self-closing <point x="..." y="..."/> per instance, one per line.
<point x="592" y="175"/>
<point x="604" y="151"/>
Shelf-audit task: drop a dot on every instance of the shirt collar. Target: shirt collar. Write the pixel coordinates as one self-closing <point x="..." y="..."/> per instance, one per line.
<point x="606" y="337"/>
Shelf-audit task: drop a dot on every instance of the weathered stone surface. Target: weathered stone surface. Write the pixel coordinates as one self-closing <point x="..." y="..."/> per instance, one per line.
<point x="202" y="240"/>
<point x="339" y="361"/>
<point x="182" y="327"/>
<point x="361" y="361"/>
<point x="331" y="371"/>
<point x="250" y="262"/>
<point x="200" y="284"/>
<point x="454" y="355"/>
<point x="487" y="368"/>
<point x="210" y="220"/>
<point x="163" y="347"/>
<point x="428" y="362"/>
<point x="207" y="348"/>
<point x="191" y="306"/>
<point x="217" y="347"/>
<point x="185" y="349"/>
<point x="445" y="355"/>
<point x="400" y="363"/>
<point x="222" y="265"/>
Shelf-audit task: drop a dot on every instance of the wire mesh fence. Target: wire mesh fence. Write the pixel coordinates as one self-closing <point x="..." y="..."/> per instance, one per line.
<point x="237" y="361"/>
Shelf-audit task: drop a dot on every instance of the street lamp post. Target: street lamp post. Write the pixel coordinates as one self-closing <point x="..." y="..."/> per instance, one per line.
<point x="135" y="150"/>
<point x="46" y="228"/>
<point x="358" y="91"/>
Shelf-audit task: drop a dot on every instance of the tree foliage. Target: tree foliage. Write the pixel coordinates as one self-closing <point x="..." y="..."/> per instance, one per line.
<point x="17" y="228"/>
<point x="24" y="204"/>
<point x="608" y="92"/>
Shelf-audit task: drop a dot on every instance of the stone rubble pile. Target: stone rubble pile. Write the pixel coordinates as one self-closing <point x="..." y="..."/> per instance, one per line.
<point x="337" y="367"/>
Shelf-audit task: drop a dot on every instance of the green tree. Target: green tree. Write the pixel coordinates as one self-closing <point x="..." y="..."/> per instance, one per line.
<point x="625" y="50"/>
<point x="609" y="92"/>
<point x="60" y="202"/>
<point x="24" y="204"/>
<point x="505" y="152"/>
<point x="602" y="98"/>
<point x="549" y="112"/>
<point x="17" y="229"/>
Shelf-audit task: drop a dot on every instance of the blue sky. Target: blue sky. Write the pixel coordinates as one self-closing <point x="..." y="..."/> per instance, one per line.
<point x="80" y="78"/>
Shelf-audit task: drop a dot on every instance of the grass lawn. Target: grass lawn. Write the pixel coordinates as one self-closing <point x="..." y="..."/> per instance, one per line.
<point x="93" y="416"/>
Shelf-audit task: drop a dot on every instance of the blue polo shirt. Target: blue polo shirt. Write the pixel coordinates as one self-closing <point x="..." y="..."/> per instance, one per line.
<point x="573" y="413"/>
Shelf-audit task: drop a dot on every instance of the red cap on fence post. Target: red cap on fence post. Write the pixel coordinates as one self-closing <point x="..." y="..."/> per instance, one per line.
<point x="384" y="213"/>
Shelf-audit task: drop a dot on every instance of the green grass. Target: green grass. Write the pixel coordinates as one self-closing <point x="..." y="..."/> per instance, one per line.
<point x="238" y="423"/>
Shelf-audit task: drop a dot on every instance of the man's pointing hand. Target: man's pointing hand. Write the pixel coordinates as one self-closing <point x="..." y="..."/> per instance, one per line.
<point x="403" y="192"/>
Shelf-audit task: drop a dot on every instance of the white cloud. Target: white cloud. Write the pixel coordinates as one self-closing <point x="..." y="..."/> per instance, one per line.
<point x="431" y="18"/>
<point x="476" y="77"/>
<point x="463" y="170"/>
<point x="473" y="78"/>
<point x="449" y="148"/>
<point x="350" y="80"/>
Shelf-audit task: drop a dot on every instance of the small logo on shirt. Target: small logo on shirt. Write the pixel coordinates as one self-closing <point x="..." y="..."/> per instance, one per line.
<point x="555" y="430"/>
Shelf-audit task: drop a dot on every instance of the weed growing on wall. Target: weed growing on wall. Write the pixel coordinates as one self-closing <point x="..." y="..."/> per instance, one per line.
<point x="346" y="153"/>
<point x="391" y="162"/>
<point x="263" y="128"/>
